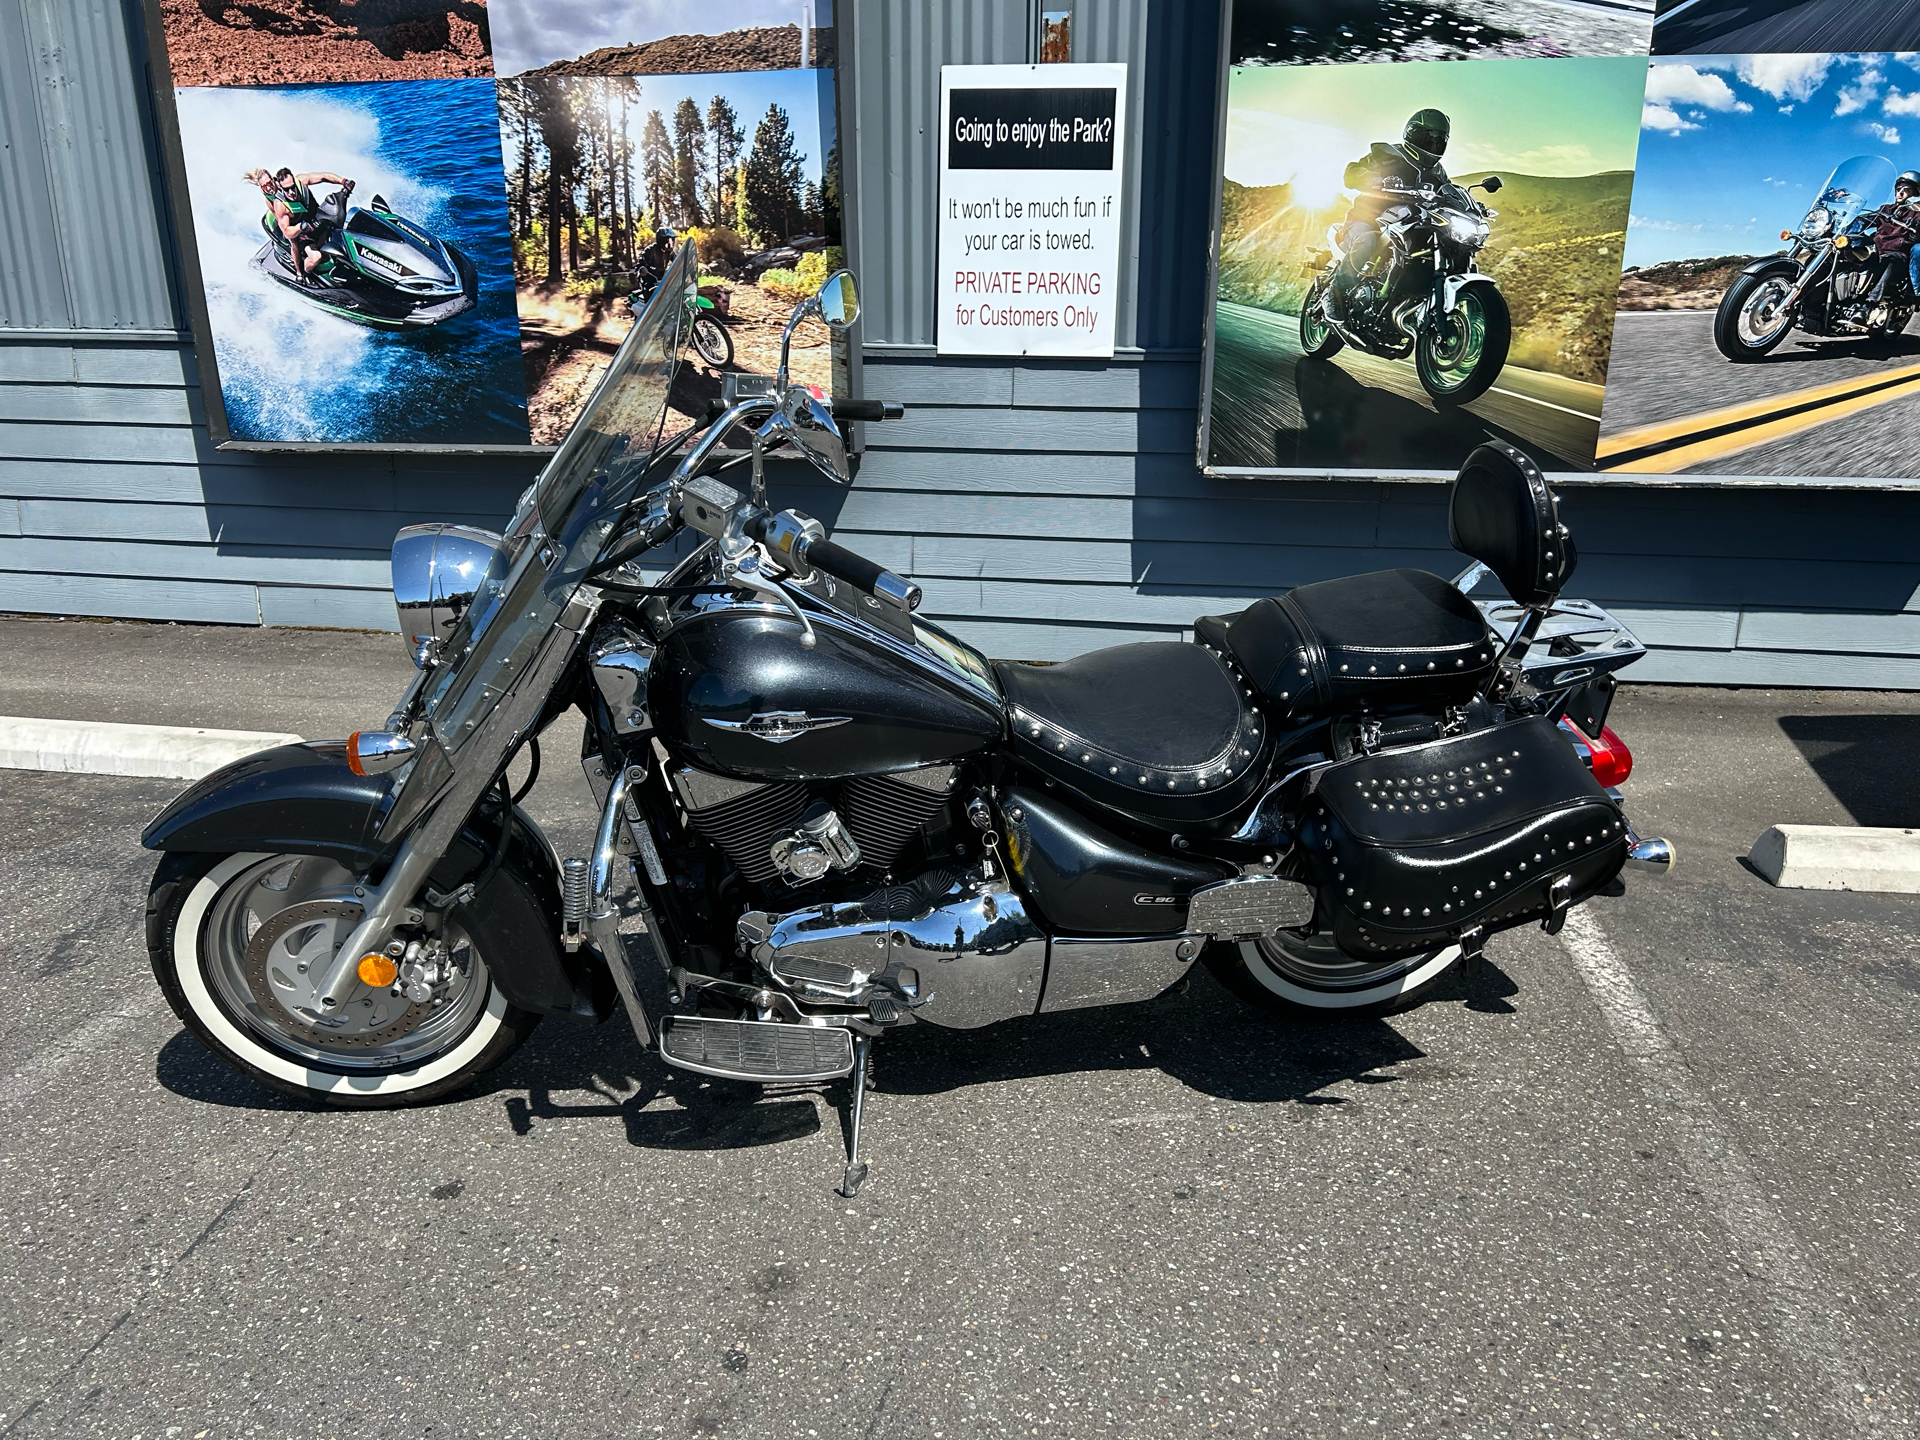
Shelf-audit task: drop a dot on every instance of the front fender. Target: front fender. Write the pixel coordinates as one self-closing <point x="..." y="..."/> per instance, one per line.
<point x="1450" y="286"/>
<point x="303" y="800"/>
<point x="1773" y="265"/>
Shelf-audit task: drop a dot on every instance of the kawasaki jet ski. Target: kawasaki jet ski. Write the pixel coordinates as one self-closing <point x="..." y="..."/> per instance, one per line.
<point x="376" y="268"/>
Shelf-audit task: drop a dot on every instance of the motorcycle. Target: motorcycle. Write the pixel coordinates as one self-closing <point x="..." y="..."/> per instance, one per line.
<point x="1825" y="282"/>
<point x="377" y="268"/>
<point x="710" y="338"/>
<point x="1427" y="300"/>
<point x="836" y="819"/>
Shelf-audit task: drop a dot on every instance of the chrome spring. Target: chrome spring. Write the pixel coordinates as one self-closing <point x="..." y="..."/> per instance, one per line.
<point x="573" y="893"/>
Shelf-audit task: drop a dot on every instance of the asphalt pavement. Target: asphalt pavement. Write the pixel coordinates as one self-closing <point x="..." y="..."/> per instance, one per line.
<point x="1665" y="367"/>
<point x="1273" y="407"/>
<point x="1762" y="27"/>
<point x="1653" y="1176"/>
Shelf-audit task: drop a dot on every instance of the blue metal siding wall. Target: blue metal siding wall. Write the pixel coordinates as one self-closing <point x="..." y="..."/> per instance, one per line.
<point x="113" y="502"/>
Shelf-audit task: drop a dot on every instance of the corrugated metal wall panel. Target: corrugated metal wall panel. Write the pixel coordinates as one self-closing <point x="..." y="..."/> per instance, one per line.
<point x="33" y="289"/>
<point x="86" y="75"/>
<point x="891" y="147"/>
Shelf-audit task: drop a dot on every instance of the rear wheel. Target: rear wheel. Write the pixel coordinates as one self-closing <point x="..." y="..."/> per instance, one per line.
<point x="712" y="342"/>
<point x="1298" y="974"/>
<point x="1753" y="317"/>
<point x="239" y="943"/>
<point x="1318" y="339"/>
<point x="1460" y="354"/>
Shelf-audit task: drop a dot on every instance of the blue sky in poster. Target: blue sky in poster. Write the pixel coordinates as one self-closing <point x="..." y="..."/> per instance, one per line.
<point x="1733" y="148"/>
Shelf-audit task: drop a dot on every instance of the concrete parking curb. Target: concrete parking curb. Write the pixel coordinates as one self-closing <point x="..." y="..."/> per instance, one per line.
<point x="100" y="747"/>
<point x="1839" y="857"/>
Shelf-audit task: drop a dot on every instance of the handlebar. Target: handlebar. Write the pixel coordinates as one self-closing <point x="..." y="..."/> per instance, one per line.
<point x="867" y="410"/>
<point x="860" y="572"/>
<point x="842" y="409"/>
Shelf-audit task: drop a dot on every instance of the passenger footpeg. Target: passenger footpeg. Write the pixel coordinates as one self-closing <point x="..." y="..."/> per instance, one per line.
<point x="758" y="1050"/>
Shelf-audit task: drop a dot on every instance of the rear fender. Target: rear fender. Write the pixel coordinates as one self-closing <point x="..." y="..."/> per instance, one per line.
<point x="303" y="800"/>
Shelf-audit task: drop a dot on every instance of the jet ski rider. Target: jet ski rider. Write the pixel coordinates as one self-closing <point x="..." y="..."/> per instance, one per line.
<point x="1411" y="165"/>
<point x="296" y="214"/>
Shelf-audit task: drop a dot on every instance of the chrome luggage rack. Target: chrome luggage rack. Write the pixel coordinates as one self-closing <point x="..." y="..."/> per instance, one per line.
<point x="1577" y="641"/>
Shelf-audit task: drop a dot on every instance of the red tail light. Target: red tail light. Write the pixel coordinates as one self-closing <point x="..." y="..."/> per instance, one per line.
<point x="1612" y="762"/>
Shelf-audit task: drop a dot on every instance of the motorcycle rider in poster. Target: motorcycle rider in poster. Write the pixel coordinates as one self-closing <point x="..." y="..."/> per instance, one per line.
<point x="1412" y="164"/>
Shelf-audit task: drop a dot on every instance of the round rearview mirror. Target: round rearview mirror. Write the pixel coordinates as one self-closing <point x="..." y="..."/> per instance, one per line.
<point x="807" y="424"/>
<point x="839" y="304"/>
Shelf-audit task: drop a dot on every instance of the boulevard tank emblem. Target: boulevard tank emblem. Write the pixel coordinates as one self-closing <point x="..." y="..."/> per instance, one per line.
<point x="780" y="726"/>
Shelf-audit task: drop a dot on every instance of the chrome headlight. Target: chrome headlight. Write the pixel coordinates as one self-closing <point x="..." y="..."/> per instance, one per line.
<point x="437" y="571"/>
<point x="1464" y="229"/>
<point x="1818" y="224"/>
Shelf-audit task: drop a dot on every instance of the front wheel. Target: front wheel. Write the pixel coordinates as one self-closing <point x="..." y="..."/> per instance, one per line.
<point x="1295" y="974"/>
<point x="239" y="944"/>
<point x="1753" y="317"/>
<point x="712" y="342"/>
<point x="1460" y="354"/>
<point x="1318" y="339"/>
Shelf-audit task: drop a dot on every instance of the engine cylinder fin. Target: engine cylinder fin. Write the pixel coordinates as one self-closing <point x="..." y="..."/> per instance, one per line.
<point x="885" y="813"/>
<point x="746" y="826"/>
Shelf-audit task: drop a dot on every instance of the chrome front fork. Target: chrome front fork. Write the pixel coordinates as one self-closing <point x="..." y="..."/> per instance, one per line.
<point x="603" y="914"/>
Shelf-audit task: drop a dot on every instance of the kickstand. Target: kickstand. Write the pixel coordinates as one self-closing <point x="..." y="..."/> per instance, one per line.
<point x="856" y="1168"/>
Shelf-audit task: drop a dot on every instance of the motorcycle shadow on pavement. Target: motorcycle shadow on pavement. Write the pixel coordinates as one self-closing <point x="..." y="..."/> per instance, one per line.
<point x="1890" y="347"/>
<point x="1198" y="1033"/>
<point x="1347" y="423"/>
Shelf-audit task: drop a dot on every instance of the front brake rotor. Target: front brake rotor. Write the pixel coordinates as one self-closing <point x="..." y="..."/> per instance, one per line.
<point x="286" y="960"/>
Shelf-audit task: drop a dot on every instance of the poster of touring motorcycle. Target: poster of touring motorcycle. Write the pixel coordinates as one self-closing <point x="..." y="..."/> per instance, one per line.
<point x="1766" y="313"/>
<point x="426" y="224"/>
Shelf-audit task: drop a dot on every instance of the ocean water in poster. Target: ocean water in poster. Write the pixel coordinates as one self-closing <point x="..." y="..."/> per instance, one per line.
<point x="339" y="357"/>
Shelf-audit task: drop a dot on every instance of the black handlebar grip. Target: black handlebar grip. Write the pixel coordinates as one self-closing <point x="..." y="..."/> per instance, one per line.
<point x="859" y="410"/>
<point x="862" y="574"/>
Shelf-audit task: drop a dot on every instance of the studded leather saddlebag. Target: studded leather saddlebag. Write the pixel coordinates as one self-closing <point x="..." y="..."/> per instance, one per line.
<point x="1416" y="847"/>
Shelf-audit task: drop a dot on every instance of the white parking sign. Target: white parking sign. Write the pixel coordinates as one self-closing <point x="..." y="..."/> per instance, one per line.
<point x="1030" y="159"/>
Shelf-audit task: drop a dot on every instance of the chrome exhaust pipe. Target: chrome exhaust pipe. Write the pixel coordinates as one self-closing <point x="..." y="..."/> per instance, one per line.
<point x="1655" y="855"/>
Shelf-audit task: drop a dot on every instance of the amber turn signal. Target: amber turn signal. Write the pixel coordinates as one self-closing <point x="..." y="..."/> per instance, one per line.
<point x="1786" y="234"/>
<point x="378" y="971"/>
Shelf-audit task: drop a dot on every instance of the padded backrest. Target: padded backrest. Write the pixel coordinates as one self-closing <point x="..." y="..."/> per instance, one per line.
<point x="1504" y="516"/>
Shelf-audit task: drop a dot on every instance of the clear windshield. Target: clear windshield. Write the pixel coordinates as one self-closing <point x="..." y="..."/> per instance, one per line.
<point x="565" y="518"/>
<point x="1856" y="185"/>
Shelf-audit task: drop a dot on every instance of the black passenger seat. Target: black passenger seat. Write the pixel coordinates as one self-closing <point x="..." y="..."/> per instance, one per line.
<point x="1391" y="640"/>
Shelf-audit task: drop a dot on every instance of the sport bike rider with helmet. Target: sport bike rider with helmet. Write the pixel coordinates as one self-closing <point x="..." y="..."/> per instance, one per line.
<point x="1413" y="164"/>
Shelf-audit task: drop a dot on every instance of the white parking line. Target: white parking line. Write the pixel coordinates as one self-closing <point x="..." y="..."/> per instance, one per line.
<point x="1808" y="1324"/>
<point x="87" y="1042"/>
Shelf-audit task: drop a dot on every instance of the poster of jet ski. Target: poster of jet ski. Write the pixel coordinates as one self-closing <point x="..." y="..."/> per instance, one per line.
<point x="355" y="263"/>
<point x="370" y="265"/>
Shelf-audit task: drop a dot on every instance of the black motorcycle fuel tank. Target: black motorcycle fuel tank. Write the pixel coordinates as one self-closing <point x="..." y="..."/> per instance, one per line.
<point x="733" y="690"/>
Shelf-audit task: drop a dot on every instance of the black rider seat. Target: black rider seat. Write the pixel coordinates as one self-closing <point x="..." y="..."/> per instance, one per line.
<point x="1394" y="640"/>
<point x="1161" y="731"/>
